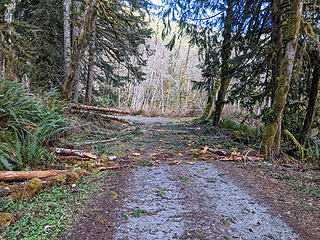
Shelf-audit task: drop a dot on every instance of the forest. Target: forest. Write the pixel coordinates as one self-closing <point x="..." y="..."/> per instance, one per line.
<point x="75" y="74"/>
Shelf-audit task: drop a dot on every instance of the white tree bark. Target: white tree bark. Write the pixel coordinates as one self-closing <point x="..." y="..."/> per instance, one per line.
<point x="67" y="39"/>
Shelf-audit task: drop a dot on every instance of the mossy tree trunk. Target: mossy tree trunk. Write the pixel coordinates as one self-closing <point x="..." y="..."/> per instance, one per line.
<point x="314" y="88"/>
<point x="290" y="41"/>
<point x="85" y="27"/>
<point x="225" y="68"/>
<point x="211" y="99"/>
<point x="92" y="51"/>
<point x="276" y="40"/>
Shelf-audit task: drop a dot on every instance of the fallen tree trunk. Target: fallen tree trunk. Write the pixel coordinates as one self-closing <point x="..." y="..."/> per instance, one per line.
<point x="25" y="175"/>
<point x="109" y="168"/>
<point x="102" y="115"/>
<point x="73" y="158"/>
<point x="75" y="152"/>
<point x="215" y="151"/>
<point x="98" y="109"/>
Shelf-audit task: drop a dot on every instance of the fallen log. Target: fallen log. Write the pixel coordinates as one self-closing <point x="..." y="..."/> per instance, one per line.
<point x="75" y="152"/>
<point x="25" y="175"/>
<point x="98" y="109"/>
<point x="66" y="151"/>
<point x="102" y="115"/>
<point x="215" y="151"/>
<point x="62" y="158"/>
<point x="96" y="142"/>
<point x="109" y="168"/>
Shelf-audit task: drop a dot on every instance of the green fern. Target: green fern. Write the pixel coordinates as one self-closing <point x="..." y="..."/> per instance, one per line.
<point x="26" y="125"/>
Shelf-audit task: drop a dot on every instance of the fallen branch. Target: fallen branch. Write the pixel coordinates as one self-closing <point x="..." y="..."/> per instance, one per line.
<point x="109" y="168"/>
<point x="73" y="158"/>
<point x="75" y="152"/>
<point x="25" y="175"/>
<point x="96" y="142"/>
<point x="98" y="109"/>
<point x="215" y="151"/>
<point x="102" y="115"/>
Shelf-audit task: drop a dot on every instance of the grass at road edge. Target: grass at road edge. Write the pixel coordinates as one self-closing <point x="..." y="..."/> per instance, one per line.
<point x="50" y="214"/>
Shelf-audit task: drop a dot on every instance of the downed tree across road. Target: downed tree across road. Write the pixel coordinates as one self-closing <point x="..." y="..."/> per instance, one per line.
<point x="101" y="115"/>
<point x="98" y="109"/>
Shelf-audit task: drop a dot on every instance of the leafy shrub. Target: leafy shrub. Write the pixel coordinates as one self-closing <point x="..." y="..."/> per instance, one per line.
<point x="242" y="132"/>
<point x="26" y="125"/>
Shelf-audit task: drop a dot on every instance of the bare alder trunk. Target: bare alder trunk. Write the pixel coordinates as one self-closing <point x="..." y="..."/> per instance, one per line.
<point x="311" y="105"/>
<point x="92" y="51"/>
<point x="67" y="45"/>
<point x="171" y="75"/>
<point x="291" y="33"/>
<point x="182" y="79"/>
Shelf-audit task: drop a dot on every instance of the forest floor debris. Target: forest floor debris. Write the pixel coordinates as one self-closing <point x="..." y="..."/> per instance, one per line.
<point x="171" y="180"/>
<point x="147" y="180"/>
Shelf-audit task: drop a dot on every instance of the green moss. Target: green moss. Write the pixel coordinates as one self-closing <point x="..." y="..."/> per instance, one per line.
<point x="5" y="217"/>
<point x="25" y="192"/>
<point x="72" y="176"/>
<point x="31" y="187"/>
<point x="58" y="180"/>
<point x="268" y="139"/>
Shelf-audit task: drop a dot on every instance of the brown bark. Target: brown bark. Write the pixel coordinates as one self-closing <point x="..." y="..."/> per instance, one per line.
<point x="311" y="105"/>
<point x="25" y="175"/>
<point x="102" y="116"/>
<point x="98" y="109"/>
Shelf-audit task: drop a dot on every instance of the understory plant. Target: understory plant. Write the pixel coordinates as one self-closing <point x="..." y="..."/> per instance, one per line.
<point x="26" y="126"/>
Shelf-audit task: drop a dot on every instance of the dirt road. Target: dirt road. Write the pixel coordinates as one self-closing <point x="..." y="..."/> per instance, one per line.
<point x="169" y="195"/>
